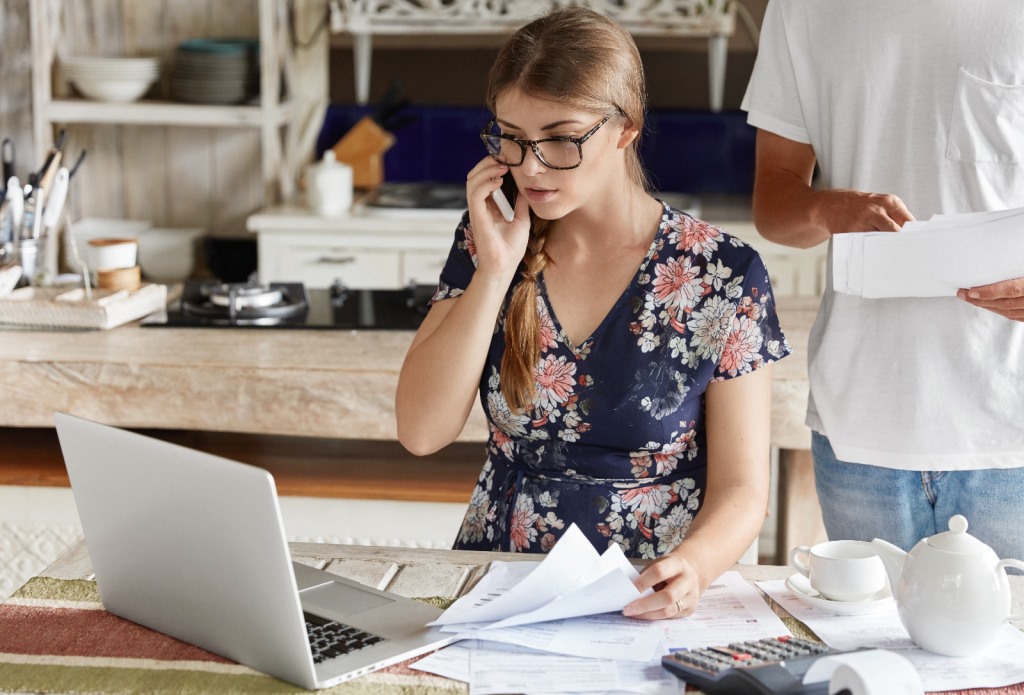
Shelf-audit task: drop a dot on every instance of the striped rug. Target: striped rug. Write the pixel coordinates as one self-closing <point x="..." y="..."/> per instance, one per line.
<point x="55" y="637"/>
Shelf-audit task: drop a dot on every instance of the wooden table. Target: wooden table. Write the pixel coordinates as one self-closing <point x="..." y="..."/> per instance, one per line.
<point x="333" y="384"/>
<point x="211" y="389"/>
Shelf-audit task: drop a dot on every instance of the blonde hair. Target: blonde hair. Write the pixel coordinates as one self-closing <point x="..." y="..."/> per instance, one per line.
<point x="580" y="58"/>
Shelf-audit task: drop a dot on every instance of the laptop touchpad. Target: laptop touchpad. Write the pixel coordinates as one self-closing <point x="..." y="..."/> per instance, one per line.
<point x="336" y="600"/>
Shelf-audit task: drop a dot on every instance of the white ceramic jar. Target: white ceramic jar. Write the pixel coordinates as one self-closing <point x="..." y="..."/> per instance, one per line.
<point x="329" y="186"/>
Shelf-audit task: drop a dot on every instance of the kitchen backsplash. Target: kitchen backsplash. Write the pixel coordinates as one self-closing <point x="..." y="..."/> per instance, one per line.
<point x="685" y="151"/>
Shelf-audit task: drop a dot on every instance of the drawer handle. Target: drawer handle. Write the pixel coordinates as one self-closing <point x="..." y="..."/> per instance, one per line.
<point x="336" y="260"/>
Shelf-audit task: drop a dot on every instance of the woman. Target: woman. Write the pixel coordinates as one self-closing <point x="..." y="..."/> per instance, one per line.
<point x="621" y="348"/>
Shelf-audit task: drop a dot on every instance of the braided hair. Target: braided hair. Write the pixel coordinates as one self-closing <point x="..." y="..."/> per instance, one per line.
<point x="580" y="58"/>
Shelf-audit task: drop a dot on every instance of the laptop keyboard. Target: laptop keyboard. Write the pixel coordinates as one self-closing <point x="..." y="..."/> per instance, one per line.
<point x="330" y="639"/>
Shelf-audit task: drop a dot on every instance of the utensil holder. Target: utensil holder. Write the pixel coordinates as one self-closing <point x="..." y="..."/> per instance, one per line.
<point x="26" y="254"/>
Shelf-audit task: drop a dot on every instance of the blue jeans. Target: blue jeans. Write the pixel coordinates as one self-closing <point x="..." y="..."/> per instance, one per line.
<point x="862" y="502"/>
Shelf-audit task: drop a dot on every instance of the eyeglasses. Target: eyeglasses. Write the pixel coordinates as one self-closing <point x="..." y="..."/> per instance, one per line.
<point x="559" y="152"/>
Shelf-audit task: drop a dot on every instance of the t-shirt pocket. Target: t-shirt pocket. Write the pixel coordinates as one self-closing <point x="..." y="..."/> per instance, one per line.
<point x="988" y="122"/>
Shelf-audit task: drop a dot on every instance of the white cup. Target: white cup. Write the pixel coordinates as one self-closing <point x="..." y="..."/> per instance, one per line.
<point x="109" y="253"/>
<point x="841" y="570"/>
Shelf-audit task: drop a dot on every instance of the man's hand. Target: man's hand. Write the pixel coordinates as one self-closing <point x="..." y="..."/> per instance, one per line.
<point x="1005" y="298"/>
<point x="789" y="210"/>
<point x="842" y="211"/>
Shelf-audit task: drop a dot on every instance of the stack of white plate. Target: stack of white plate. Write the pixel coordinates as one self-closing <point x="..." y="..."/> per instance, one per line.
<point x="216" y="71"/>
<point x="111" y="79"/>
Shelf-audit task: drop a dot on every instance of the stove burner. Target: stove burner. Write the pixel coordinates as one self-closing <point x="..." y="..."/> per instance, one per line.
<point x="247" y="295"/>
<point x="209" y="303"/>
<point x="244" y="304"/>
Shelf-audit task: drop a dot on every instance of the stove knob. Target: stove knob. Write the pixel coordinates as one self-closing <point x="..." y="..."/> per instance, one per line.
<point x="338" y="290"/>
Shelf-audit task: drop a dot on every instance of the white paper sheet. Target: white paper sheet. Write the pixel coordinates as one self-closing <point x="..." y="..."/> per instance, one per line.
<point x="604" y="636"/>
<point x="497" y="668"/>
<point x="881" y="629"/>
<point x="730" y="610"/>
<point x="572" y="580"/>
<point x="509" y="669"/>
<point x="450" y="662"/>
<point x="933" y="258"/>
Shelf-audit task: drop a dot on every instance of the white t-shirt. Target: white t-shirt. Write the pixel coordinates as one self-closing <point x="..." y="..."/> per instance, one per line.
<point x="923" y="99"/>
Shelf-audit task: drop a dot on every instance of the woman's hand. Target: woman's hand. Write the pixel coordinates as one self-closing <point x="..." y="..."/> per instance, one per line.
<point x="676" y="587"/>
<point x="500" y="245"/>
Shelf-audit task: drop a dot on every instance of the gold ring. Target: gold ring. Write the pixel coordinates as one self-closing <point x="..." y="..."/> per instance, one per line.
<point x="679" y="606"/>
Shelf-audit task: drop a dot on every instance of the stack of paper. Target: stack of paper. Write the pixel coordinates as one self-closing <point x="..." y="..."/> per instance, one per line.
<point x="933" y="258"/>
<point x="557" y="626"/>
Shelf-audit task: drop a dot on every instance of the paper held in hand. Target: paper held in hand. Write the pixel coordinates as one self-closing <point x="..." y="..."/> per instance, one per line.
<point x="933" y="258"/>
<point x="571" y="581"/>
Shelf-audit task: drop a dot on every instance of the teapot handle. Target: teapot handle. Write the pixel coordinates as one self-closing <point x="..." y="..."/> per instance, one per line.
<point x="1002" y="565"/>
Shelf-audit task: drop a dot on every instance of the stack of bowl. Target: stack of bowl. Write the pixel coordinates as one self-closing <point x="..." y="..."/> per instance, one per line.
<point x="116" y="79"/>
<point x="216" y="71"/>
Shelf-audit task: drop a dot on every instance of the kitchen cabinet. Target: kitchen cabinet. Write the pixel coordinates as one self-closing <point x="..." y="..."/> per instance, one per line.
<point x="376" y="251"/>
<point x="181" y="164"/>
<point x="366" y="250"/>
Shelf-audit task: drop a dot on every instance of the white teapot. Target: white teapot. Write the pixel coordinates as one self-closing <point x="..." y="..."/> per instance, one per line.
<point x="951" y="590"/>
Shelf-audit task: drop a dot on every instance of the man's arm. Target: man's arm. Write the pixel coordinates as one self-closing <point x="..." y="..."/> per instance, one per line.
<point x="788" y="211"/>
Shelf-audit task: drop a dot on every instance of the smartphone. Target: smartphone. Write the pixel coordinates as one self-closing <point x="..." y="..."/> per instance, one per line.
<point x="505" y="197"/>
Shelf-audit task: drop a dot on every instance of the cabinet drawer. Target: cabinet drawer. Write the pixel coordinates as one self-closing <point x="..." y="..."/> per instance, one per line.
<point x="319" y="266"/>
<point x="422" y="267"/>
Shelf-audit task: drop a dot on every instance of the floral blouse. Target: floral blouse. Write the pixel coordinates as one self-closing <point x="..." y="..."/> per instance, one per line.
<point x="614" y="440"/>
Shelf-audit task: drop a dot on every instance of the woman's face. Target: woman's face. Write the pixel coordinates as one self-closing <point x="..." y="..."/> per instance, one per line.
<point x="554" y="193"/>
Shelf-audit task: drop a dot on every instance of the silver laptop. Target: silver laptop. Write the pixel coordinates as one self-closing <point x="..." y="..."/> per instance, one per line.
<point x="192" y="545"/>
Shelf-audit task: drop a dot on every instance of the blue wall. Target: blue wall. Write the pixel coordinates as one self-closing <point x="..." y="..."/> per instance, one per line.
<point x="684" y="151"/>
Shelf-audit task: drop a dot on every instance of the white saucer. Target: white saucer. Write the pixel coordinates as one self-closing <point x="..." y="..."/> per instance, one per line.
<point x="801" y="586"/>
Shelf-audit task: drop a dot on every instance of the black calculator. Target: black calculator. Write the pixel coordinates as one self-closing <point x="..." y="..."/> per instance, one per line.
<point x="758" y="667"/>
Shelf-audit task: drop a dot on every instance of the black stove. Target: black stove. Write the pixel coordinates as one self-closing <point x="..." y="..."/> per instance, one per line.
<point x="215" y="304"/>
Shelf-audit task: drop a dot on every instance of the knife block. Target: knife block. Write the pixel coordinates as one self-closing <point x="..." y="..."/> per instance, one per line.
<point x="363" y="148"/>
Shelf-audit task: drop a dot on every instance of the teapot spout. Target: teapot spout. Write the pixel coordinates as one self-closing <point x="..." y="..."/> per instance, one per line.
<point x="893" y="559"/>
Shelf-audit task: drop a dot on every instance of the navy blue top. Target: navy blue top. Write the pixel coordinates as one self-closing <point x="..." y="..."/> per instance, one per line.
<point x="614" y="440"/>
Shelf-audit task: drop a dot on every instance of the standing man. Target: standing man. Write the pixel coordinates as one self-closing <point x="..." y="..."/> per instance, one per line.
<point x="909" y="109"/>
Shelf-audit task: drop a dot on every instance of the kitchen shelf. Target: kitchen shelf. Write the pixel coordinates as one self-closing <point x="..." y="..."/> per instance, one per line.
<point x="167" y="113"/>
<point x="287" y="125"/>
<point x="670" y="19"/>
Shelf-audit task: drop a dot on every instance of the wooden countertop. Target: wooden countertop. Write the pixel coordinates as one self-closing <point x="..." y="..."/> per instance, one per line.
<point x="334" y="384"/>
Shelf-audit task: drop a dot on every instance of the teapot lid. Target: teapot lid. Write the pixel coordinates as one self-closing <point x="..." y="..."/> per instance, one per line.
<point x="956" y="539"/>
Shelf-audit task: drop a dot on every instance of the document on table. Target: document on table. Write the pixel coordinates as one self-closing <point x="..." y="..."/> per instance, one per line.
<point x="571" y="581"/>
<point x="932" y="258"/>
<point x="730" y="610"/>
<point x="604" y="636"/>
<point x="571" y="602"/>
<point x="881" y="629"/>
<point x="496" y="668"/>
